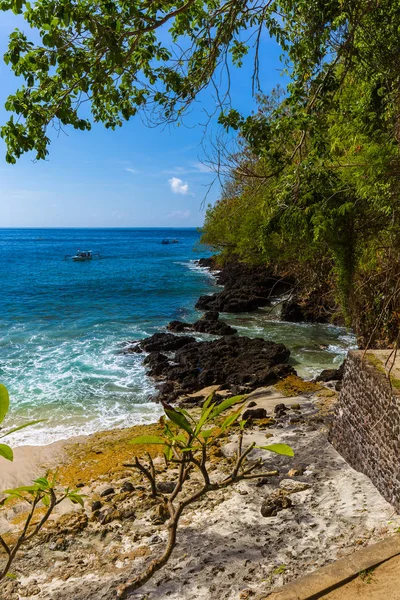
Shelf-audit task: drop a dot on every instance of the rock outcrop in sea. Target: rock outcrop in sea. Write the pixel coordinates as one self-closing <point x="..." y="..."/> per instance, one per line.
<point x="183" y="365"/>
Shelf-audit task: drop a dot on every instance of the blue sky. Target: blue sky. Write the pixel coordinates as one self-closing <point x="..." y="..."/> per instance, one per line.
<point x="131" y="177"/>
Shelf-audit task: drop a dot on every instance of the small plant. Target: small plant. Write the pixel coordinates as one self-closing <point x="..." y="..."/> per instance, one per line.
<point x="41" y="493"/>
<point x="367" y="575"/>
<point x="5" y="450"/>
<point x="187" y="442"/>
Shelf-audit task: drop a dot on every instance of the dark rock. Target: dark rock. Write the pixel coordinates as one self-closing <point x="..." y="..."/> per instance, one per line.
<point x="107" y="492"/>
<point x="133" y="349"/>
<point x="80" y="485"/>
<point x="127" y="487"/>
<point x="275" y="502"/>
<point x="292" y="311"/>
<point x="280" y="410"/>
<point x="166" y="487"/>
<point x="208" y="324"/>
<point x="213" y="327"/>
<point x="237" y="362"/>
<point x="211" y="315"/>
<point x="165" y="342"/>
<point x="251" y="404"/>
<point x="331" y="374"/>
<point x="246" y="288"/>
<point x="178" y="326"/>
<point x="96" y="505"/>
<point x="207" y="263"/>
<point x="254" y="413"/>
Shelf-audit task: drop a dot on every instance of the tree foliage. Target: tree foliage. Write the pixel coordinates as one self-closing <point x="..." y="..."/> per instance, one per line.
<point x="314" y="185"/>
<point x="104" y="60"/>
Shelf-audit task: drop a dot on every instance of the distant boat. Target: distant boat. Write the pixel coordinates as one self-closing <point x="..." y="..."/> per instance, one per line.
<point x="174" y="241"/>
<point x="82" y="255"/>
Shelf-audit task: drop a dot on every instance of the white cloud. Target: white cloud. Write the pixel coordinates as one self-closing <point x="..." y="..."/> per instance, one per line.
<point x="134" y="171"/>
<point x="178" y="186"/>
<point x="179" y="214"/>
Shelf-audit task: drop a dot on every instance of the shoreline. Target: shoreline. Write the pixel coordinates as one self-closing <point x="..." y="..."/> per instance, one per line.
<point x="232" y="280"/>
<point x="84" y="555"/>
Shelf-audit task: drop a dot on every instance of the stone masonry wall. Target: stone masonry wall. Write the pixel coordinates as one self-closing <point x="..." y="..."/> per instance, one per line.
<point x="366" y="428"/>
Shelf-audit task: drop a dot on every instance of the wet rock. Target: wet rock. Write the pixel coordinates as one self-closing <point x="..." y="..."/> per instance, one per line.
<point x="331" y="374"/>
<point x="280" y="410"/>
<point x="278" y="500"/>
<point x="208" y="324"/>
<point x="165" y="342"/>
<point x="254" y="413"/>
<point x="213" y="327"/>
<point x="178" y="326"/>
<point x="246" y="288"/>
<point x="292" y="311"/>
<point x="211" y="315"/>
<point x="107" y="492"/>
<point x="238" y="362"/>
<point x="97" y="505"/>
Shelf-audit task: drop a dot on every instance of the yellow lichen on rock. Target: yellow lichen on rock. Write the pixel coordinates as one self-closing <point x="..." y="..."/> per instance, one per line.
<point x="295" y="386"/>
<point x="103" y="454"/>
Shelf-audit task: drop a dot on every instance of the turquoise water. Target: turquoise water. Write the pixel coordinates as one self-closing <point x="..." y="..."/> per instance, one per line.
<point x="63" y="325"/>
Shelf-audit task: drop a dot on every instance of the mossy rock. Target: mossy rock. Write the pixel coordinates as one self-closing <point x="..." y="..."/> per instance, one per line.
<point x="295" y="386"/>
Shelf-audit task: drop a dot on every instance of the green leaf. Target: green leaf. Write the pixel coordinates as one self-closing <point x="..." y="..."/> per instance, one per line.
<point x="148" y="439"/>
<point x="227" y="404"/>
<point x="6" y="452"/>
<point x="168" y="453"/>
<point x="178" y="418"/>
<point x="21" y="427"/>
<point x="283" y="449"/>
<point x="4" y="402"/>
<point x="203" y="419"/>
<point x="207" y="402"/>
<point x="231" y="419"/>
<point x="76" y="499"/>
<point x="46" y="500"/>
<point x="42" y="482"/>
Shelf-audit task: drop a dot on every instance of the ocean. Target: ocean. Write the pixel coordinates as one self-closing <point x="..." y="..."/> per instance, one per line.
<point x="64" y="324"/>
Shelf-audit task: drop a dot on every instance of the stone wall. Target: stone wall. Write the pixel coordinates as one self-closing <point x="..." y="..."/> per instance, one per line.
<point x="366" y="428"/>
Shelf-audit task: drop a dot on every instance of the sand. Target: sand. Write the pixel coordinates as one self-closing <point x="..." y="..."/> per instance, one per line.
<point x="226" y="549"/>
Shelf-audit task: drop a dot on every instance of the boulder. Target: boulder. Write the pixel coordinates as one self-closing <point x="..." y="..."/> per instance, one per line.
<point x="178" y="326"/>
<point x="238" y="362"/>
<point x="165" y="342"/>
<point x="254" y="413"/>
<point x="246" y="288"/>
<point x="292" y="311"/>
<point x="331" y="374"/>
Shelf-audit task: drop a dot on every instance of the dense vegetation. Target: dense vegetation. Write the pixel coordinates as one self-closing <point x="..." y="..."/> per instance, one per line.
<point x="313" y="186"/>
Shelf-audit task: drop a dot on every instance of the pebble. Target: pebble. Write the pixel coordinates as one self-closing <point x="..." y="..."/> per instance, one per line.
<point x="107" y="492"/>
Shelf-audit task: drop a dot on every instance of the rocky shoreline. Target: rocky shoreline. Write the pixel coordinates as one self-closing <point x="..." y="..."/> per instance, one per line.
<point x="237" y="543"/>
<point x="182" y="365"/>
